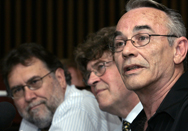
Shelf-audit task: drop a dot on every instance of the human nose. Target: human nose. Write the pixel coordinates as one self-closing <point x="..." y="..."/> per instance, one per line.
<point x="129" y="49"/>
<point x="29" y="94"/>
<point x="93" y="79"/>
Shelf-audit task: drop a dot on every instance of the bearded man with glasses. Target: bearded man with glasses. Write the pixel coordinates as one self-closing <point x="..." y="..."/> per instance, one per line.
<point x="42" y="92"/>
<point x="95" y="61"/>
<point x="150" y="50"/>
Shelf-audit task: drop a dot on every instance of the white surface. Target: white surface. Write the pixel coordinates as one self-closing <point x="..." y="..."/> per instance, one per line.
<point x="3" y="93"/>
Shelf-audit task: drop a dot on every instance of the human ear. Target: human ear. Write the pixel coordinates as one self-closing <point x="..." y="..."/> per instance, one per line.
<point x="181" y="47"/>
<point x="60" y="76"/>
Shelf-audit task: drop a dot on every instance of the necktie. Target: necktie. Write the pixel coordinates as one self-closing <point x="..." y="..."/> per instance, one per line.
<point x="126" y="126"/>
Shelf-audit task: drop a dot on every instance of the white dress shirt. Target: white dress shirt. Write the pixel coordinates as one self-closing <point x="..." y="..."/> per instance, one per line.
<point x="80" y="112"/>
<point x="131" y="116"/>
<point x="27" y="126"/>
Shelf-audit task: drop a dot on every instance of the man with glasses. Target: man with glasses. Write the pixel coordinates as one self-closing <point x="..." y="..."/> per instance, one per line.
<point x="42" y="92"/>
<point x="95" y="61"/>
<point x="150" y="51"/>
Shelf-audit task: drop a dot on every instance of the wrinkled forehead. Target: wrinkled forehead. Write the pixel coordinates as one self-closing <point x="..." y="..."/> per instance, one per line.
<point x="153" y="18"/>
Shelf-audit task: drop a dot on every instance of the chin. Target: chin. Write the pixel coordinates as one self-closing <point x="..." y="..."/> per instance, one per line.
<point x="104" y="106"/>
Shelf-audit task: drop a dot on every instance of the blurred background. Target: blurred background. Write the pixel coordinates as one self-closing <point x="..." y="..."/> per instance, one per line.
<point x="60" y="25"/>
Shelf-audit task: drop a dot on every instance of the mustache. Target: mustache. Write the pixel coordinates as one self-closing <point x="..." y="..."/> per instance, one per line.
<point x="135" y="62"/>
<point x="28" y="108"/>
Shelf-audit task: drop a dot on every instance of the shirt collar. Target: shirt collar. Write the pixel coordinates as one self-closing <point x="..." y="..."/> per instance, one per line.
<point x="134" y="112"/>
<point x="68" y="89"/>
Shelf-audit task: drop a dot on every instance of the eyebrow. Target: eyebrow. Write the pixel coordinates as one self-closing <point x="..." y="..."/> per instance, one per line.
<point x="142" y="27"/>
<point x="92" y="66"/>
<point x="100" y="61"/>
<point x="15" y="87"/>
<point x="136" y="28"/>
<point x="117" y="33"/>
<point x="31" y="79"/>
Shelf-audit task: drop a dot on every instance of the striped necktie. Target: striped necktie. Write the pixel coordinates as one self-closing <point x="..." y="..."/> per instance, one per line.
<point x="126" y="126"/>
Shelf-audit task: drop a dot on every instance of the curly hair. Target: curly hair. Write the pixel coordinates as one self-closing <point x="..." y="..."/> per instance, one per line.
<point x="94" y="47"/>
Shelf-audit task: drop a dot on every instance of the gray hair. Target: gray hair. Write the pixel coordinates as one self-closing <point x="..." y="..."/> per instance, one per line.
<point x="174" y="22"/>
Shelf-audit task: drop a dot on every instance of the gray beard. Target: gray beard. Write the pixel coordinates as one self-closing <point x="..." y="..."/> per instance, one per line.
<point x="41" y="122"/>
<point x="45" y="120"/>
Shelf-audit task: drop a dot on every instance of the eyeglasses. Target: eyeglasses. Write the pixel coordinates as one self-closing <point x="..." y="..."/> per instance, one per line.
<point x="137" y="40"/>
<point x="99" y="70"/>
<point x="33" y="84"/>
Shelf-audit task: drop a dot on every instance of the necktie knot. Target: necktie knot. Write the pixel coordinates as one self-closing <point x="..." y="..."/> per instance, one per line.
<point x="126" y="126"/>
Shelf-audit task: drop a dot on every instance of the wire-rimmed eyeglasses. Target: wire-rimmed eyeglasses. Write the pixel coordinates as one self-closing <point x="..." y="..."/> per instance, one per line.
<point x="33" y="84"/>
<point x="137" y="40"/>
<point x="99" y="69"/>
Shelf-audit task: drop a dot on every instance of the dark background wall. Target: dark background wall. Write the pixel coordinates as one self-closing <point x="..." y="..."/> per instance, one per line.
<point x="60" y="25"/>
